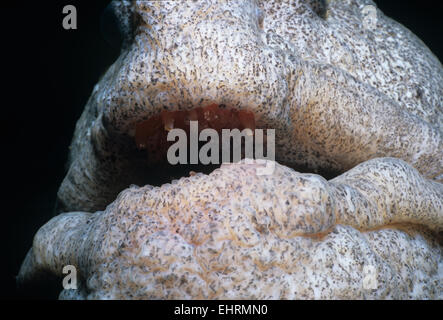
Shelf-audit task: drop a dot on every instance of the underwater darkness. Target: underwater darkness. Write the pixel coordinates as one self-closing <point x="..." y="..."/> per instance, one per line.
<point x="50" y="73"/>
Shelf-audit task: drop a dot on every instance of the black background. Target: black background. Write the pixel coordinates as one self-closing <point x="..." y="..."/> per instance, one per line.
<point x="47" y="76"/>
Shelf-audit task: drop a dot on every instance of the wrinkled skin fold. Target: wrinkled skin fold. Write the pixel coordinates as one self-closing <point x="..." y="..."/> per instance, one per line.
<point x="283" y="236"/>
<point x="364" y="102"/>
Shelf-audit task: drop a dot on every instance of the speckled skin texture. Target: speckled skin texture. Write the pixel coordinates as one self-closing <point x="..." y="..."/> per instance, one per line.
<point x="336" y="92"/>
<point x="237" y="235"/>
<point x="365" y="102"/>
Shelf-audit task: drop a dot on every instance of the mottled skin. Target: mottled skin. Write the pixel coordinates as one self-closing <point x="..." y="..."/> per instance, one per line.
<point x="338" y="93"/>
<point x="237" y="235"/>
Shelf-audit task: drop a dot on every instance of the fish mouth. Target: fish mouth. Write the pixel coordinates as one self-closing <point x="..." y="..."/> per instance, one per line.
<point x="246" y="139"/>
<point x="137" y="151"/>
<point x="153" y="142"/>
<point x="152" y="134"/>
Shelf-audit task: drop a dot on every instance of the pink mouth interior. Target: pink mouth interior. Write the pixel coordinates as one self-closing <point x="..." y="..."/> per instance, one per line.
<point x="151" y="135"/>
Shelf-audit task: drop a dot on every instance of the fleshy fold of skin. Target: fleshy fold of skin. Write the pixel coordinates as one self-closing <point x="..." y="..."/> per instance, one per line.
<point x="343" y="97"/>
<point x="337" y="92"/>
<point x="237" y="235"/>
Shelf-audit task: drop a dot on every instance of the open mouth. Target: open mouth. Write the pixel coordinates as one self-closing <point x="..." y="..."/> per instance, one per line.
<point x="153" y="143"/>
<point x="242" y="70"/>
<point x="214" y="133"/>
<point x="151" y="135"/>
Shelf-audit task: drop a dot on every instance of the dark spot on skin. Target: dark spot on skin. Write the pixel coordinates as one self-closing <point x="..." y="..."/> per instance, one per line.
<point x="419" y="93"/>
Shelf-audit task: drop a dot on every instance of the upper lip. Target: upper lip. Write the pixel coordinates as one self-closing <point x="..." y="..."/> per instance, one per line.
<point x="324" y="117"/>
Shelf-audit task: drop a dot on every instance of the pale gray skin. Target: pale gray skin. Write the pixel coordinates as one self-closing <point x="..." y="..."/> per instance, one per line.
<point x="338" y="91"/>
<point x="371" y="233"/>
